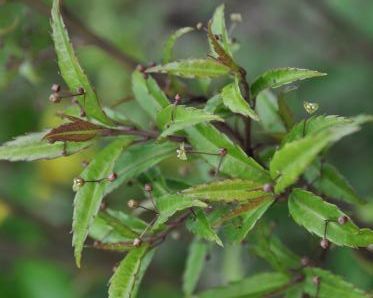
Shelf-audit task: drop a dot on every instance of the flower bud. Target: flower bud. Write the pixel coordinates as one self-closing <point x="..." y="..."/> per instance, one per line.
<point x="133" y="204"/>
<point x="55" y="98"/>
<point x="316" y="280"/>
<point x="78" y="182"/>
<point x="268" y="187"/>
<point x="112" y="177"/>
<point x="148" y="187"/>
<point x="137" y="242"/>
<point x="343" y="219"/>
<point x="324" y="243"/>
<point x="55" y="88"/>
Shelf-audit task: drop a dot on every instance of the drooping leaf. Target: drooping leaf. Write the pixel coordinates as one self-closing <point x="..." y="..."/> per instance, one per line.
<point x="328" y="180"/>
<point x="88" y="198"/>
<point x="258" y="285"/>
<point x="192" y="68"/>
<point x="139" y="158"/>
<point x="172" y="119"/>
<point x="281" y="76"/>
<point x="232" y="266"/>
<point x="251" y="213"/>
<point x="71" y="70"/>
<point x="331" y="285"/>
<point x="170" y="43"/>
<point x="267" y="108"/>
<point x="194" y="265"/>
<point x="127" y="277"/>
<point x="219" y="28"/>
<point x="199" y="225"/>
<point x="170" y="204"/>
<point x="206" y="138"/>
<point x="148" y="94"/>
<point x="112" y="226"/>
<point x="227" y="191"/>
<point x="311" y="211"/>
<point x="32" y="147"/>
<point x="75" y="131"/>
<point x="233" y="99"/>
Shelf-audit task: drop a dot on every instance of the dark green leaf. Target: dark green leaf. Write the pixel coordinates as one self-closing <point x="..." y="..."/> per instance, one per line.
<point x="311" y="212"/>
<point x="88" y="199"/>
<point x="194" y="265"/>
<point x="32" y="147"/>
<point x="71" y="70"/>
<point x="192" y="68"/>
<point x="127" y="277"/>
<point x="281" y="76"/>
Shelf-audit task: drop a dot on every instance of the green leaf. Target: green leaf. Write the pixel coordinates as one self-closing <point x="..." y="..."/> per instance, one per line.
<point x="268" y="110"/>
<point x="112" y="226"/>
<point x="32" y="147"/>
<point x="281" y="76"/>
<point x="249" y="218"/>
<point x="170" y="43"/>
<point x="194" y="265"/>
<point x="71" y="70"/>
<point x="206" y="138"/>
<point x="311" y="211"/>
<point x="88" y="199"/>
<point x="227" y="191"/>
<point x="292" y="160"/>
<point x="172" y="119"/>
<point x="233" y="99"/>
<point x="170" y="204"/>
<point x="148" y="94"/>
<point x="258" y="285"/>
<point x="200" y="226"/>
<point x="331" y="285"/>
<point x="139" y="158"/>
<point x="329" y="181"/>
<point x="219" y="28"/>
<point x="192" y="68"/>
<point x="127" y="277"/>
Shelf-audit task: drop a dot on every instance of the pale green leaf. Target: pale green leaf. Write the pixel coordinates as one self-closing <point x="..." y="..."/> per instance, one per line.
<point x="219" y="28"/>
<point x="174" y="118"/>
<point x="281" y="76"/>
<point x="233" y="99"/>
<point x="148" y="94"/>
<point x="139" y="158"/>
<point x="71" y="70"/>
<point x="256" y="286"/>
<point x="194" y="265"/>
<point x="227" y="191"/>
<point x="192" y="68"/>
<point x="88" y="199"/>
<point x="127" y="277"/>
<point x="232" y="267"/>
<point x="329" y="181"/>
<point x="32" y="147"/>
<point x="170" y="204"/>
<point x="170" y="43"/>
<point x="331" y="285"/>
<point x="206" y="138"/>
<point x="311" y="211"/>
<point x="200" y="226"/>
<point x="268" y="110"/>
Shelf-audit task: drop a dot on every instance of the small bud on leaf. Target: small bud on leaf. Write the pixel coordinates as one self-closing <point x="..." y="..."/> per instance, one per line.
<point x="343" y="219"/>
<point x="137" y="242"/>
<point x="78" y="182"/>
<point x="268" y="187"/>
<point x="324" y="243"/>
<point x="55" y="88"/>
<point x="223" y="152"/>
<point x="112" y="177"/>
<point x="133" y="204"/>
<point x="310" y="107"/>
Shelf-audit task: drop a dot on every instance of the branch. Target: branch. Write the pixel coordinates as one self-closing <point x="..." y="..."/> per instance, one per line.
<point x="76" y="26"/>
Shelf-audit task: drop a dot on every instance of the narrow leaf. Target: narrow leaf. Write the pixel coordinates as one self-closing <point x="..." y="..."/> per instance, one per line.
<point x="192" y="68"/>
<point x="311" y="211"/>
<point x="32" y="147"/>
<point x="331" y="285"/>
<point x="219" y="28"/>
<point x="170" y="43"/>
<point x="206" y="138"/>
<point x="227" y="191"/>
<point x="172" y="119"/>
<point x="139" y="158"/>
<point x="148" y="94"/>
<point x="258" y="285"/>
<point x="281" y="76"/>
<point x="127" y="277"/>
<point x="71" y="70"/>
<point x="200" y="226"/>
<point x="194" y="265"/>
<point x="88" y="199"/>
<point x="233" y="99"/>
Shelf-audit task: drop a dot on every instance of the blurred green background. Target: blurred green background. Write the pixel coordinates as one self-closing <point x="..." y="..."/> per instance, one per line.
<point x="36" y="259"/>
